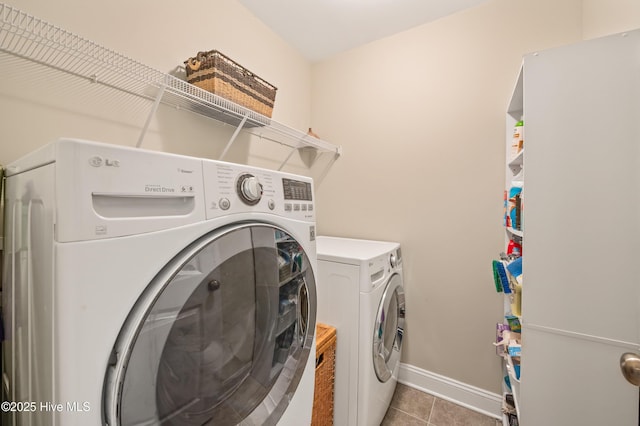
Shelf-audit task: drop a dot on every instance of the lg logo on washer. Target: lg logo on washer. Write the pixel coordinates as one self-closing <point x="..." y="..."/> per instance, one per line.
<point x="97" y="161"/>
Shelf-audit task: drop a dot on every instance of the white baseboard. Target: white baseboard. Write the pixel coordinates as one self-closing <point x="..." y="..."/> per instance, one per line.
<point x="468" y="396"/>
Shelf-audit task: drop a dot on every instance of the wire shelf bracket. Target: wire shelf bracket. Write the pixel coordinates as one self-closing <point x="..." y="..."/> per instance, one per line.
<point x="152" y="113"/>
<point x="234" y="136"/>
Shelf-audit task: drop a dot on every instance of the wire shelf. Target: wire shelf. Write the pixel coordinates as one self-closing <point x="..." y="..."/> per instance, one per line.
<point x="35" y="40"/>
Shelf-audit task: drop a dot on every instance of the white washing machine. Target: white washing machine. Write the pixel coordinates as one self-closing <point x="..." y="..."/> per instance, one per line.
<point x="360" y="292"/>
<point x="144" y="288"/>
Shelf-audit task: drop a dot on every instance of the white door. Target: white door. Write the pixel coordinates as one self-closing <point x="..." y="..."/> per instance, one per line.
<point x="581" y="296"/>
<point x="220" y="336"/>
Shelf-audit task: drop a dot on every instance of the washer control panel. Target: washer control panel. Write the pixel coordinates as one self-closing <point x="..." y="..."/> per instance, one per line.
<point x="395" y="258"/>
<point x="233" y="188"/>
<point x="297" y="195"/>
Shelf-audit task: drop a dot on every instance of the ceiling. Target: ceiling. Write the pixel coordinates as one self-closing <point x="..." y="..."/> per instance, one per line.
<point x="322" y="28"/>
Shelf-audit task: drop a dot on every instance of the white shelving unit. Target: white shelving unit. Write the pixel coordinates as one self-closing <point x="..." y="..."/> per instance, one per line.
<point x="37" y="41"/>
<point x="514" y="173"/>
<point x="515" y="383"/>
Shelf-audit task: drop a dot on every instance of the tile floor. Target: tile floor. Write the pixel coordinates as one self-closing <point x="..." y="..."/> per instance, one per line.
<point x="410" y="407"/>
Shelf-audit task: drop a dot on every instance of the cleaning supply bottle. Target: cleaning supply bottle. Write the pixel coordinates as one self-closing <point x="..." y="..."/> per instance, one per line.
<point x="514" y="248"/>
<point x="515" y="204"/>
<point x="517" y="143"/>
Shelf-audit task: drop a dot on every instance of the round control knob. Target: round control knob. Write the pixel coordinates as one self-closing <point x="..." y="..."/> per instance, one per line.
<point x="224" y="203"/>
<point x="393" y="260"/>
<point x="249" y="189"/>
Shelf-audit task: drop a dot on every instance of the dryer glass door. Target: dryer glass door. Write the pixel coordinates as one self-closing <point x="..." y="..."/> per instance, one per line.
<point x="389" y="329"/>
<point x="220" y="336"/>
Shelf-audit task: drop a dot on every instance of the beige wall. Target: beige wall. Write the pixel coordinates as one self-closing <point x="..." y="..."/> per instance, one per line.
<point x="603" y="17"/>
<point x="38" y="106"/>
<point x="420" y="116"/>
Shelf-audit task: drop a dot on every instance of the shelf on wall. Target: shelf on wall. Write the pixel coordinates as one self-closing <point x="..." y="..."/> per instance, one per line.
<point x="35" y="40"/>
<point x="515" y="165"/>
<point x="515" y="382"/>
<point x="516" y="232"/>
<point x="515" y="107"/>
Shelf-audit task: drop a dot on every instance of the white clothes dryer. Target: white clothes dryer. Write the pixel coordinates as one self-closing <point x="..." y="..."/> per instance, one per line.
<point x="360" y="292"/>
<point x="145" y="288"/>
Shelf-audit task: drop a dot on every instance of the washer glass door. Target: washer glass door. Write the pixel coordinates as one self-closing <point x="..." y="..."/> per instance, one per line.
<point x="220" y="336"/>
<point x="389" y="329"/>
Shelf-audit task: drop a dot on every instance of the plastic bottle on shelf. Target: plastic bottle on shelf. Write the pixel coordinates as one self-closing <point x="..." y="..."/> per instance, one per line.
<point x="505" y="212"/>
<point x="516" y="299"/>
<point x="514" y="208"/>
<point x="514" y="248"/>
<point x="517" y="143"/>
